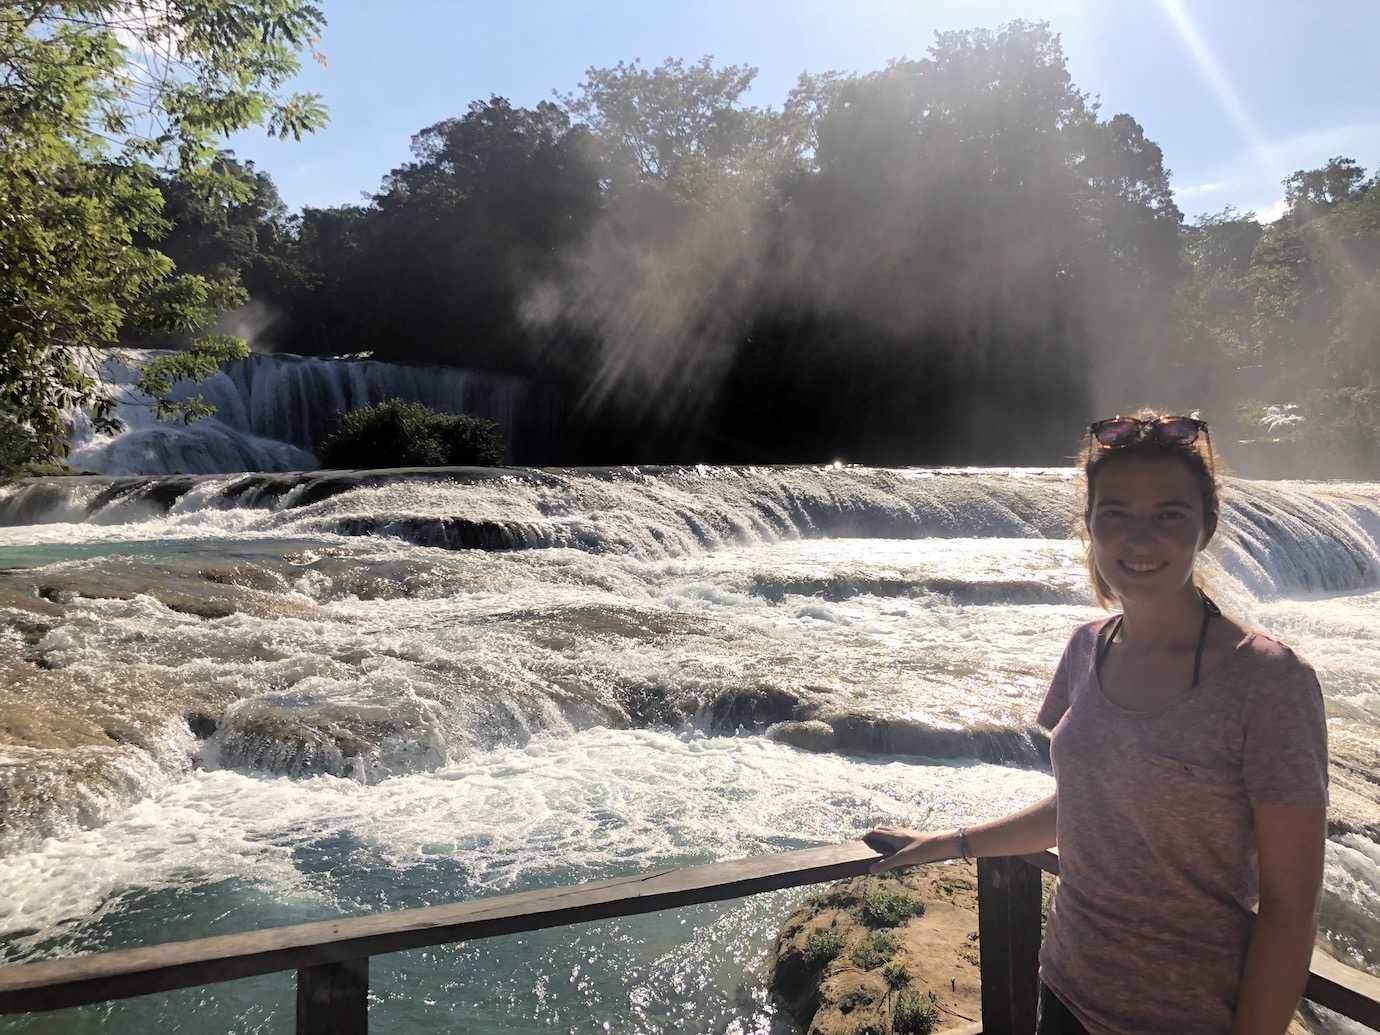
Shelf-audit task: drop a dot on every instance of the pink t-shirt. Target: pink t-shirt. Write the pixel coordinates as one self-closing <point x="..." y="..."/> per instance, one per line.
<point x="1158" y="871"/>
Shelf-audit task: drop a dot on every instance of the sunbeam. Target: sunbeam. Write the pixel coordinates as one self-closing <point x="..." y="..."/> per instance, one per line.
<point x="1227" y="96"/>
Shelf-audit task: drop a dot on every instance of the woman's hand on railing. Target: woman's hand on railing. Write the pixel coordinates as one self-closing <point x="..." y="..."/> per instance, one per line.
<point x="904" y="847"/>
<point x="1030" y="830"/>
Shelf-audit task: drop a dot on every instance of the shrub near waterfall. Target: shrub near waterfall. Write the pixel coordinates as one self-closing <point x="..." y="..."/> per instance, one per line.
<point x="398" y="433"/>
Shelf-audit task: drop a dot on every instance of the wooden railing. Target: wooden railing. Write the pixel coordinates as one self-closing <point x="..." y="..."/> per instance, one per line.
<point x="332" y="957"/>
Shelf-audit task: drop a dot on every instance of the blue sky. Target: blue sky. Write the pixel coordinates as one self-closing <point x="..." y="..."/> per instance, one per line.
<point x="1237" y="93"/>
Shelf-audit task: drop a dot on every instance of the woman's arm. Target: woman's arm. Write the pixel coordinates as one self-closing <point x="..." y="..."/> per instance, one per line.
<point x="1030" y="830"/>
<point x="1290" y="843"/>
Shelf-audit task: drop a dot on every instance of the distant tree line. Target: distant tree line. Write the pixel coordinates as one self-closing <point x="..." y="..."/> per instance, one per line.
<point x="951" y="259"/>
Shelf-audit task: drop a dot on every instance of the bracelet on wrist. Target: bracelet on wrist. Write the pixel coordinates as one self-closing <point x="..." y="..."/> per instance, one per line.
<point x="963" y="843"/>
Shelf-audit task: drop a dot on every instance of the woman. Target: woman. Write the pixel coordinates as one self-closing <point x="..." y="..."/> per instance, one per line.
<point x="1190" y="767"/>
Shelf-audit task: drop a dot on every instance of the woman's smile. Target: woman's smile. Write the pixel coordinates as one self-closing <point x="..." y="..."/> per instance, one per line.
<point x="1139" y="569"/>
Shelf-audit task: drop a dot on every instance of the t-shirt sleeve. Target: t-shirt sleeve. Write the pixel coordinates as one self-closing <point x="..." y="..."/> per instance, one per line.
<point x="1285" y="753"/>
<point x="1057" y="696"/>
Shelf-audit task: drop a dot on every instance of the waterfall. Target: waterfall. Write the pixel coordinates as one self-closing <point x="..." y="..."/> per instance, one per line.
<point x="1276" y="537"/>
<point x="273" y="410"/>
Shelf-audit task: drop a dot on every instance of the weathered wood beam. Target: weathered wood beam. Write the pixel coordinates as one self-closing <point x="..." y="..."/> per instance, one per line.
<point x="332" y="956"/>
<point x="1352" y="993"/>
<point x="1048" y="860"/>
<point x="1009" y="944"/>
<point x="333" y="998"/>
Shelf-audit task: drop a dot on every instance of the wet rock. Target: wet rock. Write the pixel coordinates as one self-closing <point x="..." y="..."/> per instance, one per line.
<point x="296" y="736"/>
<point x="882" y="735"/>
<point x="201" y="725"/>
<point x="810" y="735"/>
<point x="755" y="707"/>
<point x="185" y="592"/>
<point x="652" y="704"/>
<point x="837" y="968"/>
<point x="156" y="494"/>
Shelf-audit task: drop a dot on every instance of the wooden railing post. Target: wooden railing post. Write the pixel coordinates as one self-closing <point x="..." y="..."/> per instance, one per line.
<point x="1009" y="944"/>
<point x="333" y="998"/>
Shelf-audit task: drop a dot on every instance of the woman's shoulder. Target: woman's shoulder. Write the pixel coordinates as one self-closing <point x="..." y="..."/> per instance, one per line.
<point x="1261" y="658"/>
<point x="1267" y="647"/>
<point x="1086" y="634"/>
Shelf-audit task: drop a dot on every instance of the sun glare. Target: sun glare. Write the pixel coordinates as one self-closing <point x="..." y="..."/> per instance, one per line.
<point x="1222" y="87"/>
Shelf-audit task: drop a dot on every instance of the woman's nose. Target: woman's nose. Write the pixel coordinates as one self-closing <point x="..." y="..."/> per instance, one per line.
<point x="1140" y="529"/>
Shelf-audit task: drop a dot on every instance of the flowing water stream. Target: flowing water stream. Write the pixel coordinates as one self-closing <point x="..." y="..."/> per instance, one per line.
<point x="242" y="701"/>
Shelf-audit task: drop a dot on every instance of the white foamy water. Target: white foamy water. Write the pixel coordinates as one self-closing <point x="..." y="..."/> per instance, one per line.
<point x="387" y="722"/>
<point x="244" y="850"/>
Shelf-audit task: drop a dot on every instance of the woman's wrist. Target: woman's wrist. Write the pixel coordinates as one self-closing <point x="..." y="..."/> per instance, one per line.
<point x="945" y="844"/>
<point x="912" y="847"/>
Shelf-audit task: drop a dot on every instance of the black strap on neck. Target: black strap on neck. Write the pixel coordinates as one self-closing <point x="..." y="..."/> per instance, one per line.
<point x="1209" y="609"/>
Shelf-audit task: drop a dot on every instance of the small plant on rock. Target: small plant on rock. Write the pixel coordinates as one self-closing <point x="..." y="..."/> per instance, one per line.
<point x="916" y="1013"/>
<point x="883" y="907"/>
<point x="879" y="947"/>
<point x="896" y="975"/>
<point x="822" y="946"/>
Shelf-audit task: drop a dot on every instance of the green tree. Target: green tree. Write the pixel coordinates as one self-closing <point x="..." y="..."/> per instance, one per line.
<point x="1337" y="181"/>
<point x="398" y="433"/>
<point x="681" y="127"/>
<point x="1287" y="315"/>
<point x="1315" y="285"/>
<point x="1219" y="304"/>
<point x="99" y="98"/>
<point x="247" y="238"/>
<point x="437" y="267"/>
<point x="246" y="241"/>
<point x="973" y="230"/>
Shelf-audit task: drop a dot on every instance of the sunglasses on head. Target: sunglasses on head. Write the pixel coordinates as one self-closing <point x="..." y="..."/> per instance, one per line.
<point x="1122" y="431"/>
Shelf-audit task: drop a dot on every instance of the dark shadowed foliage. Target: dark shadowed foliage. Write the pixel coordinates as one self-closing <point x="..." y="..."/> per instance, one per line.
<point x="956" y="258"/>
<point x="396" y="433"/>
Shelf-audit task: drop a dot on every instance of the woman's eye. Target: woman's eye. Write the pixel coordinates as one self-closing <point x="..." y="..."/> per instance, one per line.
<point x="1172" y="515"/>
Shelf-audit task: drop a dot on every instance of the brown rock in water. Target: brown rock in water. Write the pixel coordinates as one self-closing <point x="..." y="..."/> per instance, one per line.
<point x="835" y="954"/>
<point x="833" y="959"/>
<point x="810" y="735"/>
<point x="78" y="740"/>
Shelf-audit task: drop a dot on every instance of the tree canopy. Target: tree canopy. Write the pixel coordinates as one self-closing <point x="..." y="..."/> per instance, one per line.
<point x="101" y="100"/>
<point x="955" y="258"/>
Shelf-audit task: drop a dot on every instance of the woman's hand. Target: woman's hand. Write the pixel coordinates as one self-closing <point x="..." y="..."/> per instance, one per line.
<point x="903" y="847"/>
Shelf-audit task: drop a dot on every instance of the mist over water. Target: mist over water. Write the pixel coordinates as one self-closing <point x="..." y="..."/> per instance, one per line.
<point x="251" y="700"/>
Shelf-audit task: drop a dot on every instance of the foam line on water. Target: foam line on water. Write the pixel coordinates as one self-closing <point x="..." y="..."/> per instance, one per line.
<point x="557" y="810"/>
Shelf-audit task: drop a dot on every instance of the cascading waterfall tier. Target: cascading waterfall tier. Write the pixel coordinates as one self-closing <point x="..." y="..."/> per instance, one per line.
<point x="556" y="594"/>
<point x="1276" y="537"/>
<point x="272" y="411"/>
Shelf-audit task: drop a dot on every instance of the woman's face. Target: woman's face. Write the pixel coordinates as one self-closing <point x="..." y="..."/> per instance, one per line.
<point x="1147" y="525"/>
